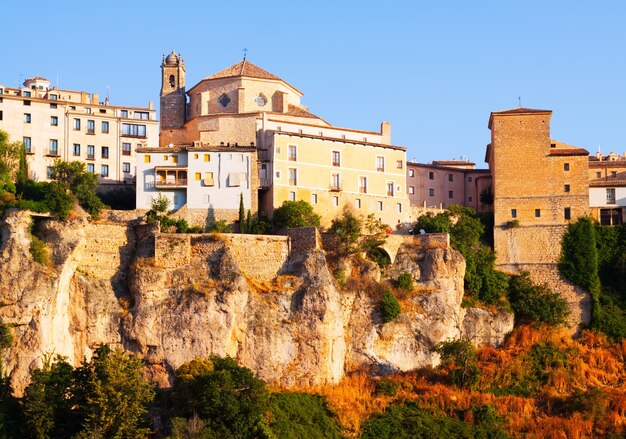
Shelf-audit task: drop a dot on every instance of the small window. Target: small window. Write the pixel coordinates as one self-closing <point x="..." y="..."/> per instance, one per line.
<point x="450" y="194"/>
<point x="125" y="148"/>
<point x="207" y="157"/>
<point x="77" y="149"/>
<point x="553" y="145"/>
<point x="77" y="124"/>
<point x="293" y="177"/>
<point x="91" y="152"/>
<point x="313" y="198"/>
<point x="567" y="213"/>
<point x="105" y="126"/>
<point x="104" y="171"/>
<point x="87" y="110"/>
<point x="336" y="201"/>
<point x="336" y="158"/>
<point x="431" y="192"/>
<point x="357" y="203"/>
<point x="102" y="111"/>
<point x="195" y="156"/>
<point x="411" y="173"/>
<point x="0" y="115"/>
<point x="123" y="113"/>
<point x="27" y="145"/>
<point x="390" y="188"/>
<point x="399" y="164"/>
<point x="293" y="153"/>
<point x="399" y="207"/>
<point x="513" y="213"/>
<point x="380" y="164"/>
<point x="451" y="177"/>
<point x="27" y="118"/>
<point x="90" y="168"/>
<point x="469" y="179"/>
<point x="27" y="103"/>
<point x="53" y="106"/>
<point x="411" y="190"/>
<point x="174" y="159"/>
<point x="613" y="174"/>
<point x="105" y="152"/>
<point x="610" y="196"/>
<point x="126" y="167"/>
<point x="380" y="205"/>
<point x="54" y="147"/>
<point x="566" y="188"/>
<point x="363" y="185"/>
<point x="537" y="213"/>
<point x="54" y="121"/>
<point x="431" y="175"/>
<point x="469" y="199"/>
<point x="198" y="176"/>
<point x="27" y="94"/>
<point x="50" y="172"/>
<point x="292" y="196"/>
<point x="598" y="174"/>
<point x="566" y="166"/>
<point x="91" y="127"/>
<point x="146" y="158"/>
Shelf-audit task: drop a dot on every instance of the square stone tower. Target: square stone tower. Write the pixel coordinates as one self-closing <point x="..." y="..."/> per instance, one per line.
<point x="539" y="186"/>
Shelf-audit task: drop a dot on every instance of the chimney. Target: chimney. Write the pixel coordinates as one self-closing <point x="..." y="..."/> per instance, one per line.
<point x="94" y="98"/>
<point x="150" y="105"/>
<point x="84" y="97"/>
<point x="385" y="131"/>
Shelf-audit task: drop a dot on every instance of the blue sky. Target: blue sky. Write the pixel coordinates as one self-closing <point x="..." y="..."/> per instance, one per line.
<point x="434" y="69"/>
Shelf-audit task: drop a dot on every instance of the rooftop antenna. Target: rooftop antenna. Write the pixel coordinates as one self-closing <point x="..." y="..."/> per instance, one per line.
<point x="519" y="101"/>
<point x="245" y="53"/>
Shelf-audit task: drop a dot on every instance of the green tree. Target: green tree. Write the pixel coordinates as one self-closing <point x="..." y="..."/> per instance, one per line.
<point x="579" y="256"/>
<point x="49" y="403"/>
<point x="348" y="230"/>
<point x="242" y="215"/>
<point x="295" y="214"/>
<point x="459" y="358"/>
<point x="74" y="179"/>
<point x="249" y="222"/>
<point x="160" y="204"/>
<point x="112" y="396"/>
<point x="536" y="303"/>
<point x="228" y="398"/>
<point x="389" y="307"/>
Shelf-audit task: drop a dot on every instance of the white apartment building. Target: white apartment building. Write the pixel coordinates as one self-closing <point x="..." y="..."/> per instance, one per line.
<point x="76" y="126"/>
<point x="210" y="179"/>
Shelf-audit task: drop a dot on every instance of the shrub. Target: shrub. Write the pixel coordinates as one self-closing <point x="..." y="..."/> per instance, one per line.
<point x="59" y="200"/>
<point x="340" y="276"/>
<point x="379" y="256"/>
<point x="261" y="225"/>
<point x="389" y="307"/>
<point x="459" y="357"/>
<point x="220" y="226"/>
<point x="38" y="250"/>
<point x="536" y="303"/>
<point x="348" y="230"/>
<point x="405" y="282"/>
<point x="433" y="224"/>
<point x="295" y="214"/>
<point x="33" y="206"/>
<point x="160" y="204"/>
<point x="591" y="403"/>
<point x="579" y="256"/>
<point x="300" y="415"/>
<point x="386" y="387"/>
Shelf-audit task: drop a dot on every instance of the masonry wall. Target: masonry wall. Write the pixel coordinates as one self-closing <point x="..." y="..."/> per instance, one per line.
<point x="108" y="248"/>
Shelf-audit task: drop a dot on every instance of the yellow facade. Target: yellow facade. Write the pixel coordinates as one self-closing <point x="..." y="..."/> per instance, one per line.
<point x="331" y="174"/>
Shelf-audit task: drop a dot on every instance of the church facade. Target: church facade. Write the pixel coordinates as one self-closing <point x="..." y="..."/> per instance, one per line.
<point x="294" y="154"/>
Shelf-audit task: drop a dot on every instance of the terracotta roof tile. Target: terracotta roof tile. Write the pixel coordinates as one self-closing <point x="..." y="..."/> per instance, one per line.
<point x="453" y="162"/>
<point x="521" y="110"/>
<point x="244" y="68"/>
<point x="294" y="110"/>
<point x="568" y="152"/>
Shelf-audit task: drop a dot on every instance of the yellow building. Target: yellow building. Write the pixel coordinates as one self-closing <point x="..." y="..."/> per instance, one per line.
<point x="300" y="155"/>
<point x="76" y="126"/>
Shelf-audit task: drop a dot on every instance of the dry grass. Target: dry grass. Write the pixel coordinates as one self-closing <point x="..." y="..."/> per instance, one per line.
<point x="593" y="362"/>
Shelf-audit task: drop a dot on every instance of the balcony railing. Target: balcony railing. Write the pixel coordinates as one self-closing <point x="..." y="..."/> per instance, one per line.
<point x="336" y="187"/>
<point x="91" y="157"/>
<point x="178" y="182"/>
<point x="265" y="182"/>
<point x="263" y="155"/>
<point x="362" y="190"/>
<point x="52" y="152"/>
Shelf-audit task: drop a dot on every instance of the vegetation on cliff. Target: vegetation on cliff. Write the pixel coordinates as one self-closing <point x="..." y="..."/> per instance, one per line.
<point x="594" y="257"/>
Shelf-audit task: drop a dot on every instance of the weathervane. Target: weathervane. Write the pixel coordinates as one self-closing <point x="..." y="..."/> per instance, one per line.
<point x="245" y="52"/>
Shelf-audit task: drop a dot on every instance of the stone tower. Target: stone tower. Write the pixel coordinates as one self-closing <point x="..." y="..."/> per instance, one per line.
<point x="173" y="98"/>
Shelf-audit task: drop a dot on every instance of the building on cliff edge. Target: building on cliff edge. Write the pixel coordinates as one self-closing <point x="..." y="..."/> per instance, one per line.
<point x="75" y="126"/>
<point x="290" y="153"/>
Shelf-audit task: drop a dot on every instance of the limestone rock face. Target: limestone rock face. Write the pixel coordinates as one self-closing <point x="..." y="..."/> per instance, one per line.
<point x="298" y="328"/>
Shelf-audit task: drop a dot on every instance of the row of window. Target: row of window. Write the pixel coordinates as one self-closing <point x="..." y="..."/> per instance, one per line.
<point x="336" y="158"/>
<point x="104" y="169"/>
<point x="335" y="201"/>
<point x="431" y="176"/>
<point x="54" y="148"/>
<point x="206" y="157"/>
<point x="567" y="213"/>
<point x="335" y="182"/>
<point x="91" y="126"/>
<point x="613" y="174"/>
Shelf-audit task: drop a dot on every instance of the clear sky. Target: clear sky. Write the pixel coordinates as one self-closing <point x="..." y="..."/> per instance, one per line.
<point x="434" y="69"/>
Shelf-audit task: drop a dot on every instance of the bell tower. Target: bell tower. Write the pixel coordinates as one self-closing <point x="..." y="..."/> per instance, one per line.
<point x="173" y="98"/>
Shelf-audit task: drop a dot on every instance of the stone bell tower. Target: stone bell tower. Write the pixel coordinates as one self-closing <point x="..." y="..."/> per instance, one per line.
<point x="173" y="98"/>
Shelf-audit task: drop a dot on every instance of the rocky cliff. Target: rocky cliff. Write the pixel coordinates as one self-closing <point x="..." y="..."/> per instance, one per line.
<point x="271" y="303"/>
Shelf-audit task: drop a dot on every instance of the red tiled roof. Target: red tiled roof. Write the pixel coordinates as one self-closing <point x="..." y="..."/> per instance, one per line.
<point x="608" y="182"/>
<point x="244" y="68"/>
<point x="453" y="163"/>
<point x="294" y="110"/>
<point x="568" y="152"/>
<point x="521" y="110"/>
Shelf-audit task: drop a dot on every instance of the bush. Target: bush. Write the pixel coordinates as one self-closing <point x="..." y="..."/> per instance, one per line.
<point x="59" y="200"/>
<point x="386" y="387"/>
<point x="348" y="230"/>
<point x="160" y="204"/>
<point x="536" y="304"/>
<point x="389" y="307"/>
<point x="579" y="256"/>
<point x="433" y="224"/>
<point x="220" y="226"/>
<point x="261" y="225"/>
<point x="295" y="214"/>
<point x="300" y="415"/>
<point x="379" y="256"/>
<point x="459" y="358"/>
<point x="38" y="250"/>
<point x="591" y="403"/>
<point x="405" y="282"/>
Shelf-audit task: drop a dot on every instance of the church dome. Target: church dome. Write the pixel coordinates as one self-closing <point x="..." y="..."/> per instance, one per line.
<point x="171" y="58"/>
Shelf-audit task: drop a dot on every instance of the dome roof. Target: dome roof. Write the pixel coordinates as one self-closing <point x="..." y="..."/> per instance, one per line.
<point x="172" y="58"/>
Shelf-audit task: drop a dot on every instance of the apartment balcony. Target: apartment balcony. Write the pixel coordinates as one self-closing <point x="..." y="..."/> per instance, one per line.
<point x="263" y="155"/>
<point x="265" y="183"/>
<point x="335" y="187"/>
<point x="52" y="152"/>
<point x="173" y="177"/>
<point x="91" y="157"/>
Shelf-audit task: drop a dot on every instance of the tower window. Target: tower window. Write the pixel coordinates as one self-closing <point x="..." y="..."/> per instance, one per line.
<point x="566" y="166"/>
<point x="566" y="188"/>
<point x="567" y="213"/>
<point x="172" y="81"/>
<point x="224" y="100"/>
<point x="537" y="213"/>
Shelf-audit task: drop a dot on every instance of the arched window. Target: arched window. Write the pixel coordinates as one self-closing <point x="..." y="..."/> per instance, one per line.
<point x="172" y="81"/>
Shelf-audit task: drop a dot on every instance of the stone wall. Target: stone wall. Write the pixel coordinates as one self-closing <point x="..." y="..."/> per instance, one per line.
<point x="304" y="238"/>
<point x="258" y="256"/>
<point x="529" y="245"/>
<point x="578" y="299"/>
<point x="108" y="247"/>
